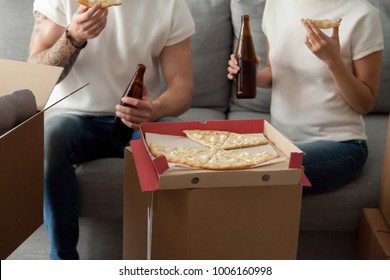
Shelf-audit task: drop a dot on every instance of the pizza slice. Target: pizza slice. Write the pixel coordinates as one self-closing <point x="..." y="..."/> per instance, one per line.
<point x="194" y="157"/>
<point x="215" y="158"/>
<point x="103" y="3"/>
<point x="322" y="23"/>
<point x="235" y="160"/>
<point x="223" y="139"/>
<point x="236" y="140"/>
<point x="208" y="138"/>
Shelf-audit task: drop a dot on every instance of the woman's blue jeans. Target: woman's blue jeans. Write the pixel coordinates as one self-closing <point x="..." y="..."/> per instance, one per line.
<point x="331" y="165"/>
<point x="70" y="140"/>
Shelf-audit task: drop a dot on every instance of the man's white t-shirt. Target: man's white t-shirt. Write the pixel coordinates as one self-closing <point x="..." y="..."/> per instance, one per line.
<point x="136" y="32"/>
<point x="306" y="103"/>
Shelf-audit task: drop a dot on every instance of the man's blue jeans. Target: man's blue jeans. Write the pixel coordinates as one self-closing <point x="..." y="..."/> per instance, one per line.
<point x="331" y="165"/>
<point x="70" y="140"/>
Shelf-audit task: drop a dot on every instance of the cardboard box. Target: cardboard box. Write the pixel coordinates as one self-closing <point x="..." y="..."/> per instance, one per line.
<point x="186" y="213"/>
<point x="384" y="197"/>
<point x="21" y="156"/>
<point x="374" y="236"/>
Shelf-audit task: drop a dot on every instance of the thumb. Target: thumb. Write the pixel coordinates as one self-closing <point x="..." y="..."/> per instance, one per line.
<point x="335" y="34"/>
<point x="145" y="93"/>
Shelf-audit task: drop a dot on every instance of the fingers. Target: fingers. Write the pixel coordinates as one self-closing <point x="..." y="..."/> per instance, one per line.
<point x="145" y="92"/>
<point x="88" y="23"/>
<point x="131" y="115"/>
<point x="95" y="19"/>
<point x="135" y="111"/>
<point x="315" y="39"/>
<point x="233" y="67"/>
<point x="313" y="31"/>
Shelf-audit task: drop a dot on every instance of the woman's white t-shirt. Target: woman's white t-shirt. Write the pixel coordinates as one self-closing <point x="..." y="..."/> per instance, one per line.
<point x="136" y="32"/>
<point x="306" y="103"/>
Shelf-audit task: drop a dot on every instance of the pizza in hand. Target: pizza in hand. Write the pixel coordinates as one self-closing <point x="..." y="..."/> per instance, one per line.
<point x="103" y="3"/>
<point x="224" y="139"/>
<point x="322" y="23"/>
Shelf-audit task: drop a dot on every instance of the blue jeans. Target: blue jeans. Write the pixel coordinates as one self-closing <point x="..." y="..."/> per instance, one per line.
<point x="331" y="165"/>
<point x="70" y="140"/>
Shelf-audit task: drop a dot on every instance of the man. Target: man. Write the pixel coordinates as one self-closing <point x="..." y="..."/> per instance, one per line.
<point x="103" y="47"/>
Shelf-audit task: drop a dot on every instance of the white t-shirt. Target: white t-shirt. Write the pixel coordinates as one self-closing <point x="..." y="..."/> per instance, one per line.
<point x="136" y="32"/>
<point x="306" y="104"/>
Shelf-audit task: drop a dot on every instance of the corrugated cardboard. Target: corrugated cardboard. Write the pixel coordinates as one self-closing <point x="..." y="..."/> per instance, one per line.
<point x="21" y="156"/>
<point x="203" y="214"/>
<point x="384" y="197"/>
<point x="374" y="236"/>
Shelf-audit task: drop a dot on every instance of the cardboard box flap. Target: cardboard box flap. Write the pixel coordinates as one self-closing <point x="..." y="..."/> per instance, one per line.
<point x="384" y="196"/>
<point x="176" y="128"/>
<point x="375" y="218"/>
<point x="380" y="228"/>
<point x="40" y="79"/>
<point x="149" y="170"/>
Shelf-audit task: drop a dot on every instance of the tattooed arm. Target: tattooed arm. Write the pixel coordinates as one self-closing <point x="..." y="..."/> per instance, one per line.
<point x="55" y="45"/>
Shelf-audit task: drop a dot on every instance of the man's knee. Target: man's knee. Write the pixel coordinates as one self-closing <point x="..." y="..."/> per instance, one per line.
<point x="60" y="131"/>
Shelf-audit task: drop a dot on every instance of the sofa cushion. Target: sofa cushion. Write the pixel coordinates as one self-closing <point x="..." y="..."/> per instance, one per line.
<point x="253" y="8"/>
<point x="101" y="188"/>
<point x="382" y="104"/>
<point x="15" y="108"/>
<point x="245" y="115"/>
<point x="211" y="47"/>
<point x="202" y="114"/>
<point x="16" y="26"/>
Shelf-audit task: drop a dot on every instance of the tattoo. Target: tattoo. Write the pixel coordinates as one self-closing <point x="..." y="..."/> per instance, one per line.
<point x="60" y="53"/>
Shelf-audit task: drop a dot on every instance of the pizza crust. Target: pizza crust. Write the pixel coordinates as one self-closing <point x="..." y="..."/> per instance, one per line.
<point x="103" y="3"/>
<point x="322" y="23"/>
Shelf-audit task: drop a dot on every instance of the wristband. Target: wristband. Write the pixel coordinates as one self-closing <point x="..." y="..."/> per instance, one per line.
<point x="69" y="39"/>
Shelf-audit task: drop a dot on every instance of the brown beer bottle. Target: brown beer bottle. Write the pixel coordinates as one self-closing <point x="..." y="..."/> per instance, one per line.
<point x="246" y="57"/>
<point x="134" y="89"/>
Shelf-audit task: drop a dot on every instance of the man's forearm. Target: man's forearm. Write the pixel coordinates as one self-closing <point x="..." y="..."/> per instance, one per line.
<point x="62" y="53"/>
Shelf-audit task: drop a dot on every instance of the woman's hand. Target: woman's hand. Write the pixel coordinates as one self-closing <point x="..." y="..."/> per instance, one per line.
<point x="233" y="67"/>
<point x="324" y="47"/>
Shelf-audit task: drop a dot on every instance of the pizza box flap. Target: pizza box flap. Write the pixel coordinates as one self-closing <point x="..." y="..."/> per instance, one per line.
<point x="155" y="174"/>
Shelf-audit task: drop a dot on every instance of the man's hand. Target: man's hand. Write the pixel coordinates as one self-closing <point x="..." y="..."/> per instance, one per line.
<point x="87" y="23"/>
<point x="136" y="111"/>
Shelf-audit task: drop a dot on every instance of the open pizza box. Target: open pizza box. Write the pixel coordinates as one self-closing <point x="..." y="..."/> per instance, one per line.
<point x="21" y="155"/>
<point x="150" y="170"/>
<point x="177" y="212"/>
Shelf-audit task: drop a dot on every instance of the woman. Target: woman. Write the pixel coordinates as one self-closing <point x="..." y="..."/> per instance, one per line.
<point x="323" y="81"/>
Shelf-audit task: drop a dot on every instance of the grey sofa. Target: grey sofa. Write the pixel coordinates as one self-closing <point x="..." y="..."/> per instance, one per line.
<point x="329" y="222"/>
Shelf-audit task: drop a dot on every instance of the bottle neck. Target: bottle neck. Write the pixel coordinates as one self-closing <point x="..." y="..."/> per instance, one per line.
<point x="245" y="26"/>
